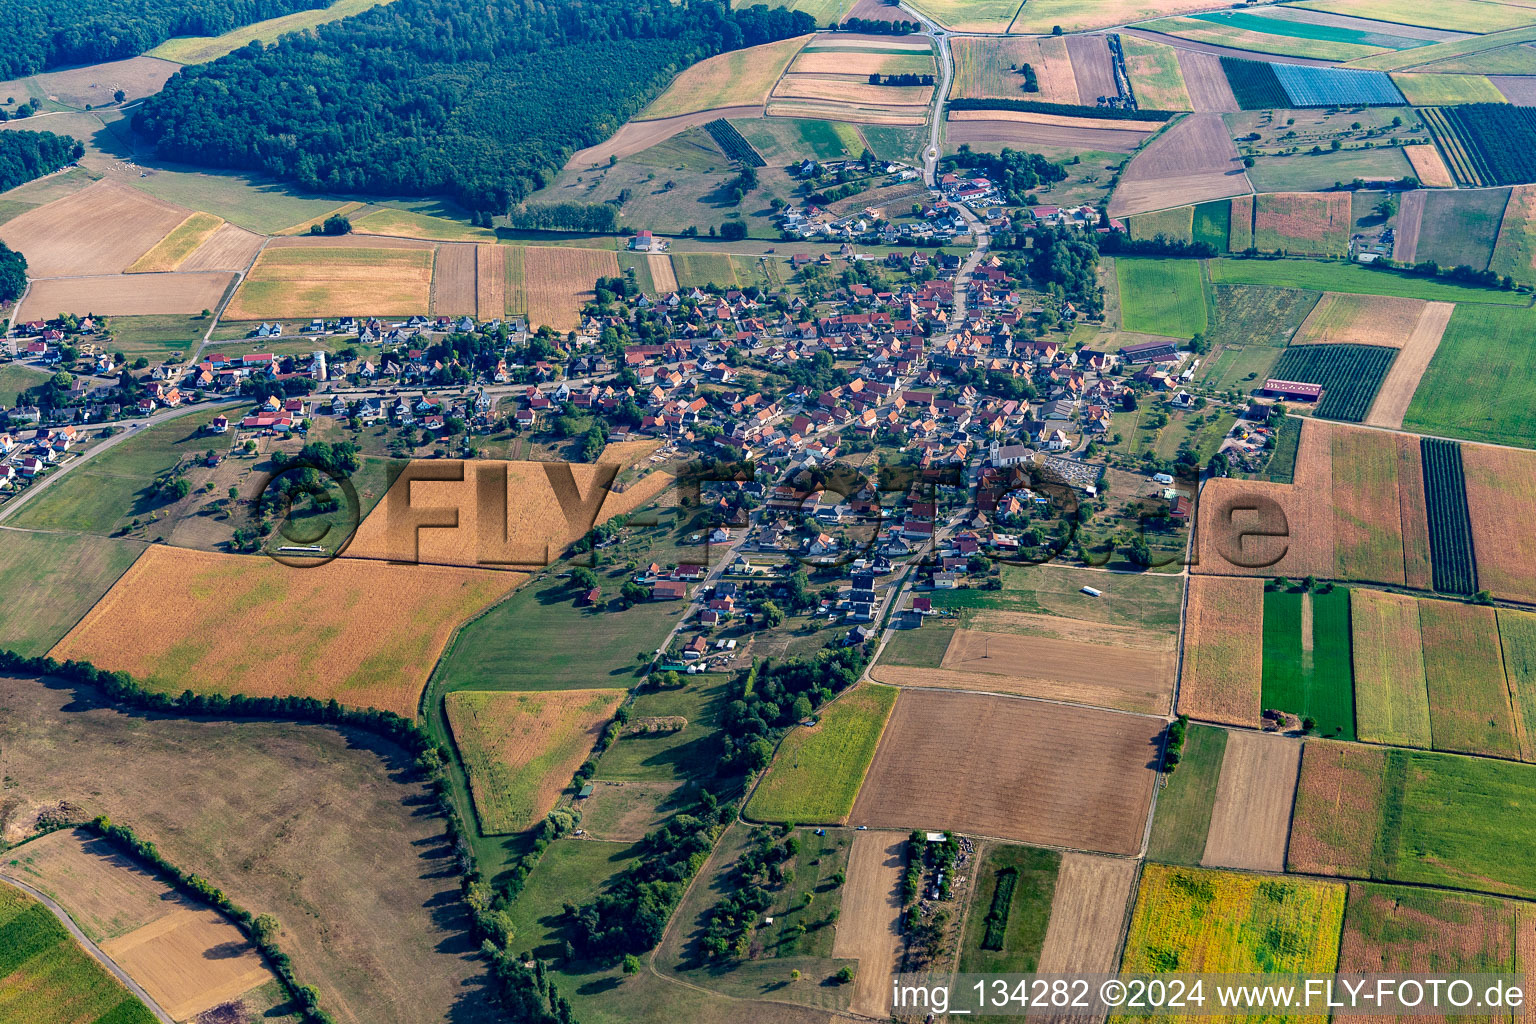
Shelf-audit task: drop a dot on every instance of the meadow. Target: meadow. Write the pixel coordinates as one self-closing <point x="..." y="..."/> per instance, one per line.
<point x="48" y="979"/>
<point x="15" y="379"/>
<point x="690" y="752"/>
<point x="1481" y="383"/>
<point x="1423" y="90"/>
<point x="1335" y="277"/>
<point x="520" y="749"/>
<point x="1249" y="329"/>
<point x="1187" y="919"/>
<point x="1161" y="297"/>
<point x="1184" y="807"/>
<point x="48" y="581"/>
<point x="1389" y="928"/>
<point x="201" y="49"/>
<point x="1514" y="251"/>
<point x="817" y="771"/>
<point x="1459" y="227"/>
<point x="1310" y="675"/>
<point x="1010" y="910"/>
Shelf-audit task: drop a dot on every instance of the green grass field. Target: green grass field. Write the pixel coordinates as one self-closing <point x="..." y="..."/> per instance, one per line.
<point x="1335" y="277"/>
<point x="16" y="378"/>
<point x="1161" y="297"/>
<point x="1212" y="223"/>
<point x="1517" y="637"/>
<point x="571" y="871"/>
<point x="48" y="581"/>
<point x="817" y="772"/>
<point x="1250" y="326"/>
<point x="537" y="640"/>
<point x="45" y="978"/>
<point x="1460" y="226"/>
<point x="1481" y="383"/>
<point x="1423" y="90"/>
<point x="1310" y="677"/>
<point x="1184" y="806"/>
<point x="1032" y="873"/>
<point x="201" y="49"/>
<point x="920" y="648"/>
<point x="1457" y="15"/>
<point x="1156" y="78"/>
<point x="1465" y="823"/>
<point x="156" y="337"/>
<point x="1176" y="224"/>
<point x="1148" y="601"/>
<point x="689" y="752"/>
<point x="391" y="220"/>
<point x="1469" y="708"/>
<point x="1308" y="172"/>
<point x="118" y="485"/>
<point x="243" y="199"/>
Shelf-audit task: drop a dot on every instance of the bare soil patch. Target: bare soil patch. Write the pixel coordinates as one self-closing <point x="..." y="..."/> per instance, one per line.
<point x="1093" y="68"/>
<point x="1191" y="162"/>
<point x="869" y="926"/>
<point x="490" y="282"/>
<point x="1093" y="896"/>
<point x="1209" y="90"/>
<point x="1014" y="769"/>
<point x="304" y="822"/>
<point x="1223" y="652"/>
<point x="1408" y="368"/>
<point x="1429" y="166"/>
<point x="1023" y="133"/>
<point x="1343" y="319"/>
<point x="455" y="282"/>
<point x="98" y="230"/>
<point x="1252" y="816"/>
<point x="229" y="248"/>
<point x="126" y="295"/>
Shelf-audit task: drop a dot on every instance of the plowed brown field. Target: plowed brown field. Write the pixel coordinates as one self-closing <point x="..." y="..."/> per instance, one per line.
<point x="1223" y="650"/>
<point x="455" y="284"/>
<point x="1093" y="68"/>
<point x="1252" y="815"/>
<point x="125" y="295"/>
<point x="869" y="925"/>
<point x="363" y="632"/>
<point x="1014" y="769"/>
<point x="1191" y="162"/>
<point x="1501" y="491"/>
<point x="1209" y="90"/>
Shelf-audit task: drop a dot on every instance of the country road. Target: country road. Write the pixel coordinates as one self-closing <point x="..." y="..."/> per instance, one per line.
<point x="91" y="948"/>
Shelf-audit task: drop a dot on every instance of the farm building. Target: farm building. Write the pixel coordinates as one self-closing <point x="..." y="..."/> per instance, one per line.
<point x="1149" y="352"/>
<point x="669" y="590"/>
<point x="1295" y="391"/>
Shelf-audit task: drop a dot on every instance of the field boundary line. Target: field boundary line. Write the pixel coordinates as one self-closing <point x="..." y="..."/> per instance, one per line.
<point x="133" y="987"/>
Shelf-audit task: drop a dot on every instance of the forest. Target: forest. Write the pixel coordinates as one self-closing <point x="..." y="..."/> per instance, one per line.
<point x="439" y="96"/>
<point x="27" y="155"/>
<point x="43" y="34"/>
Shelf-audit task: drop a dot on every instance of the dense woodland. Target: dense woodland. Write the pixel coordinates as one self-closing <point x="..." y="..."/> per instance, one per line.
<point x="440" y="96"/>
<point x="28" y="155"/>
<point x="42" y="34"/>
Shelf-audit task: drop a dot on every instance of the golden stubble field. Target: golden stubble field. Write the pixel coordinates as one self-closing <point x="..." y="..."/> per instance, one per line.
<point x="98" y="230"/>
<point x="364" y="632"/>
<point x="335" y="279"/>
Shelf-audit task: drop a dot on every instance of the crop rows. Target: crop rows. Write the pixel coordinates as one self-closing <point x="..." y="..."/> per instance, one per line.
<point x="1499" y="138"/>
<point x="997" y="917"/>
<point x="732" y="144"/>
<point x="1336" y="87"/>
<point x="1453" y="564"/>
<point x="1350" y="375"/>
<point x="1254" y="84"/>
<point x="1451" y="146"/>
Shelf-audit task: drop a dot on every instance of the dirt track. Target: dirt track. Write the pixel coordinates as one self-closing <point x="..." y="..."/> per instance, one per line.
<point x="1252" y="816"/>
<point x="641" y="135"/>
<point x="1022" y="770"/>
<point x="1409" y="366"/>
<point x="869" y="927"/>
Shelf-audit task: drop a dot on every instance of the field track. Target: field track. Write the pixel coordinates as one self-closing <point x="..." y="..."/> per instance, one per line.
<point x="869" y="926"/>
<point x="1191" y="162"/>
<point x="1408" y="368"/>
<point x="1088" y="913"/>
<point x="1252" y="816"/>
<point x="455" y="283"/>
<point x="1013" y="769"/>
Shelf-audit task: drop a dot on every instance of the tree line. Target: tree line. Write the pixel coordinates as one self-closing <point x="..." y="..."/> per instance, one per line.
<point x="25" y="155"/>
<point x="42" y="34"/>
<point x="441" y="96"/>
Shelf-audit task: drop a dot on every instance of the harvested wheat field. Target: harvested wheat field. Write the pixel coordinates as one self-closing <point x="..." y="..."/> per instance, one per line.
<point x="1093" y="67"/>
<point x="1501" y="491"/>
<point x="1257" y="528"/>
<point x="187" y="957"/>
<point x="455" y="281"/>
<point x="98" y="230"/>
<point x="663" y="274"/>
<point x="189" y="961"/>
<point x="851" y="89"/>
<point x="1223" y="650"/>
<point x="520" y="749"/>
<point x="852" y="113"/>
<point x="1408" y="368"/>
<point x="1059" y="120"/>
<point x="1410" y="219"/>
<point x="484" y="513"/>
<point x="1028" y="133"/>
<point x="1021" y="770"/>
<point x="1429" y="167"/>
<point x="1343" y="319"/>
<point x="1072" y="669"/>
<point x="342" y="277"/>
<point x="559" y="281"/>
<point x="737" y="78"/>
<point x="228" y="248"/>
<point x="1093" y="896"/>
<point x="1314" y="223"/>
<point x="990" y="68"/>
<point x="125" y="295"/>
<point x="1209" y="90"/>
<point x="869" y="924"/>
<point x="1191" y="162"/>
<point x="169" y="253"/>
<point x="490" y="282"/>
<point x="362" y="632"/>
<point x="1252" y="816"/>
<point x="1372" y="515"/>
